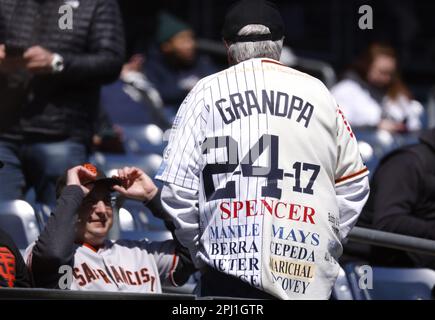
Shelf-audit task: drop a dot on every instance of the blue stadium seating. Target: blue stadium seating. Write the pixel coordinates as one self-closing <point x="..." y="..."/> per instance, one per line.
<point x="374" y="144"/>
<point x="392" y="283"/>
<point x="17" y="218"/>
<point x="143" y="139"/>
<point x="109" y="162"/>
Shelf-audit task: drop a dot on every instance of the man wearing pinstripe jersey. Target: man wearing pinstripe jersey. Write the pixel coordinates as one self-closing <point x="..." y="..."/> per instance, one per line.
<point x="262" y="173"/>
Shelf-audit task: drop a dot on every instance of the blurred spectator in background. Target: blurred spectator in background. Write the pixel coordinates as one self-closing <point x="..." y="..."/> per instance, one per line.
<point x="13" y="270"/>
<point x="49" y="88"/>
<point x="133" y="100"/>
<point x="76" y="236"/>
<point x="372" y="94"/>
<point x="402" y="200"/>
<point x="175" y="67"/>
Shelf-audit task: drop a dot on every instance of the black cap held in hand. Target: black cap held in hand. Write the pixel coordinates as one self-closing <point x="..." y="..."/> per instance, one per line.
<point x="247" y="12"/>
<point x="99" y="179"/>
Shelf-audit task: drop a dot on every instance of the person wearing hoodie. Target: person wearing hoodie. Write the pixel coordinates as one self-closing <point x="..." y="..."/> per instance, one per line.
<point x="402" y="200"/>
<point x="174" y="65"/>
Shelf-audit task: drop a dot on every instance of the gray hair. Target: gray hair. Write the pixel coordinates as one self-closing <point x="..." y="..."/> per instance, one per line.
<point x="241" y="51"/>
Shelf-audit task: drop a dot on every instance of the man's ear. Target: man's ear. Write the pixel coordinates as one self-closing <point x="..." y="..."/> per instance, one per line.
<point x="226" y="44"/>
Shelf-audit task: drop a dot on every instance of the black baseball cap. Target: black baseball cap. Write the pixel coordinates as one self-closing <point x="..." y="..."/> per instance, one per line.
<point x="247" y="12"/>
<point x="100" y="179"/>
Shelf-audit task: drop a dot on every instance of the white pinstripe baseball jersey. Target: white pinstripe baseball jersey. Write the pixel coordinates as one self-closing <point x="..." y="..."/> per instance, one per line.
<point x="266" y="147"/>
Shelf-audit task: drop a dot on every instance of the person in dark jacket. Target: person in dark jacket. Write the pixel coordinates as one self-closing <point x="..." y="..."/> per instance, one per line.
<point x="402" y="200"/>
<point x="51" y="68"/>
<point x="174" y="67"/>
<point x="76" y="236"/>
<point x="13" y="270"/>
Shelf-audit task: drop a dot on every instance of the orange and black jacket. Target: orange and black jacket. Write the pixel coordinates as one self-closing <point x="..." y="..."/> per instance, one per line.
<point x="13" y="270"/>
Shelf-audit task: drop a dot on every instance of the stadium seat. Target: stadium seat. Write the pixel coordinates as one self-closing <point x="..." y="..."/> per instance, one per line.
<point x="368" y="155"/>
<point x="17" y="218"/>
<point x="143" y="139"/>
<point x="42" y="213"/>
<point x="342" y="289"/>
<point x="143" y="218"/>
<point x="108" y="162"/>
<point x="375" y="144"/>
<point x="126" y="221"/>
<point x="392" y="283"/>
<point x="136" y="222"/>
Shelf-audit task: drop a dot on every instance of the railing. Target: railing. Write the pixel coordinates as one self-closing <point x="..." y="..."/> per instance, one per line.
<point x="362" y="235"/>
<point x="55" y="294"/>
<point x="392" y="240"/>
<point x="52" y="294"/>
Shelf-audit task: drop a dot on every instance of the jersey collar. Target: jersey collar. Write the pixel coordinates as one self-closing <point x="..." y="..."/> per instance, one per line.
<point x="91" y="247"/>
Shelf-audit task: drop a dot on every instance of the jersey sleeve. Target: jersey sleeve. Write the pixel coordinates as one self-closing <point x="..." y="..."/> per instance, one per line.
<point x="350" y="165"/>
<point x="166" y="259"/>
<point x="182" y="158"/>
<point x="351" y="197"/>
